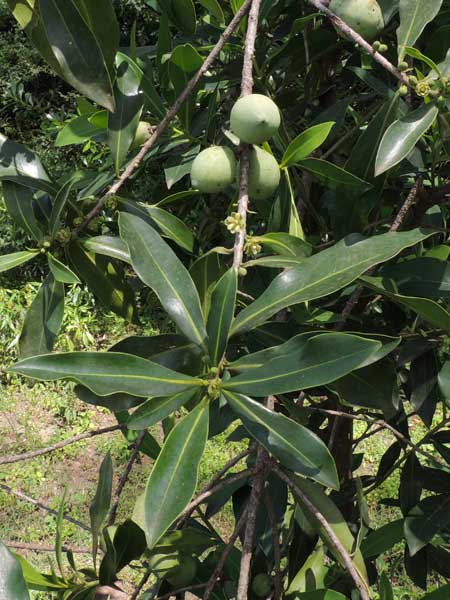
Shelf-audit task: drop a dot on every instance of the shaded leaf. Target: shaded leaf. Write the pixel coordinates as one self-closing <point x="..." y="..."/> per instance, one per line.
<point x="12" y="582"/>
<point x="60" y="271"/>
<point x="425" y="520"/>
<point x="10" y="261"/>
<point x="221" y="314"/>
<point x="108" y="245"/>
<point x="414" y="16"/>
<point x="19" y="203"/>
<point x="155" y="410"/>
<point x="99" y="507"/>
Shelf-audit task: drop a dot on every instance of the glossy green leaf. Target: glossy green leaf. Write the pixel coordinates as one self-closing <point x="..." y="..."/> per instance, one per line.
<point x="129" y="544"/>
<point x="172" y="227"/>
<point x="99" y="507"/>
<point x="182" y="14"/>
<point x="60" y="271"/>
<point x="221" y="314"/>
<point x="331" y="175"/>
<point x="414" y="53"/>
<point x="173" y="479"/>
<point x="425" y="520"/>
<point x="175" y="198"/>
<point x="284" y="244"/>
<point x="19" y="203"/>
<point x="59" y="205"/>
<point x="123" y="122"/>
<point x="317" y="361"/>
<point x="83" y="61"/>
<point x="159" y="268"/>
<point x="324" y="274"/>
<point x="383" y="539"/>
<point x="205" y="273"/>
<point x="39" y="581"/>
<point x="414" y="17"/>
<point x="296" y="447"/>
<point x="108" y="245"/>
<point x="424" y="277"/>
<point x="304" y="144"/>
<point x="104" y="280"/>
<point x="402" y="136"/>
<point x="186" y="58"/>
<point x="214" y="8"/>
<point x="12" y="583"/>
<point x="107" y="373"/>
<point x="78" y="131"/>
<point x="43" y="319"/>
<point x="274" y="262"/>
<point x="10" y="261"/>
<point x="114" y="402"/>
<point x="155" y="410"/>
<point x="23" y="166"/>
<point x="313" y="568"/>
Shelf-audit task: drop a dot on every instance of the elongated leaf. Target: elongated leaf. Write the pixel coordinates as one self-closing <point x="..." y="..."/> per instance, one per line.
<point x="213" y="7"/>
<point x="383" y="539"/>
<point x="43" y="319"/>
<point x="414" y="16"/>
<point x="173" y="479"/>
<point x="82" y="61"/>
<point x="104" y="280"/>
<point x="123" y="122"/>
<point x="441" y="594"/>
<point x="401" y="137"/>
<point x="274" y="262"/>
<point x="331" y="175"/>
<point x="314" y="567"/>
<point x="284" y="244"/>
<point x="425" y="521"/>
<point x="172" y="227"/>
<point x="306" y="143"/>
<point x="19" y="202"/>
<point x="322" y="595"/>
<point x="159" y="268"/>
<point x="101" y="502"/>
<point x="182" y="14"/>
<point x="296" y="447"/>
<point x="36" y="580"/>
<point x="60" y="271"/>
<point x="10" y="261"/>
<point x="108" y="245"/>
<point x="319" y="360"/>
<point x="223" y="302"/>
<point x="107" y="373"/>
<point x="23" y="166"/>
<point x="62" y="197"/>
<point x="12" y="583"/>
<point x="78" y="130"/>
<point x="186" y="58"/>
<point x="424" y="277"/>
<point x="59" y="533"/>
<point x="324" y="274"/>
<point x="205" y="272"/>
<point x="155" y="410"/>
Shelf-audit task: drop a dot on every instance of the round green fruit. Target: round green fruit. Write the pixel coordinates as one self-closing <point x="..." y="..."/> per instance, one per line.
<point x="264" y="176"/>
<point x="262" y="585"/>
<point x="143" y="133"/>
<point x="255" y="119"/>
<point x="364" y="16"/>
<point x="213" y="170"/>
<point x="185" y="574"/>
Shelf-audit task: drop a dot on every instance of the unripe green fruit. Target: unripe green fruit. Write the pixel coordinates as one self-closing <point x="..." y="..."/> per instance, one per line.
<point x="264" y="176"/>
<point x="262" y="585"/>
<point x="255" y="119"/>
<point x="364" y="16"/>
<point x="143" y="133"/>
<point x="185" y="574"/>
<point x="213" y="170"/>
<point x="403" y="90"/>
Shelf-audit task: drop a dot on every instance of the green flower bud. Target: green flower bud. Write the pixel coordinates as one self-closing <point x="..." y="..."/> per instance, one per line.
<point x="383" y="48"/>
<point x="403" y="90"/>
<point x="403" y="66"/>
<point x="413" y="80"/>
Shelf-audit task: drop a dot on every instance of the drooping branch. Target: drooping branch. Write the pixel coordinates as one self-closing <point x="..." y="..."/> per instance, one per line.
<point x="358" y="39"/>
<point x="170" y="116"/>
<point x="333" y="539"/>
<point x="78" y="438"/>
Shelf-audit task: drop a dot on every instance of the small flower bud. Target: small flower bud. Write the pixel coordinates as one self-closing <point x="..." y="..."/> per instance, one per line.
<point x="423" y="88"/>
<point x="403" y="90"/>
<point x="376" y="45"/>
<point x="403" y="66"/>
<point x="383" y="48"/>
<point x="242" y="271"/>
<point x="413" y="80"/>
<point x="235" y="222"/>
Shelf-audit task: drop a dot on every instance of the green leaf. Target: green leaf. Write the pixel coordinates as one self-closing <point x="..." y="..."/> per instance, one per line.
<point x="304" y="144"/>
<point x="37" y="580"/>
<point x="186" y="58"/>
<point x="107" y="373"/>
<point x="324" y="274"/>
<point x="108" y="245"/>
<point x="12" y="583"/>
<point x="173" y="479"/>
<point x="401" y="137"/>
<point x="385" y="588"/>
<point x="129" y="543"/>
<point x="104" y="280"/>
<point x="284" y="244"/>
<point x="414" y="53"/>
<point x="61" y="199"/>
<point x="296" y="447"/>
<point x="274" y="262"/>
<point x="59" y="532"/>
<point x="172" y="227"/>
<point x="221" y="314"/>
<point x="19" y="203"/>
<point x="83" y="62"/>
<point x="159" y="268"/>
<point x="314" y="568"/>
<point x="23" y="166"/>
<point x="331" y="175"/>
<point x="441" y="594"/>
<point x="414" y="17"/>
<point x="205" y="272"/>
<point x="60" y="271"/>
<point x="182" y="14"/>
<point x="383" y="539"/>
<point x="321" y="595"/>
<point x="99" y="507"/>
<point x="155" y="410"/>
<point x="43" y="319"/>
<point x="123" y="122"/>
<point x="213" y="7"/>
<point x="79" y="130"/>
<point x="425" y="520"/>
<point x="423" y="277"/>
<point x="314" y="362"/>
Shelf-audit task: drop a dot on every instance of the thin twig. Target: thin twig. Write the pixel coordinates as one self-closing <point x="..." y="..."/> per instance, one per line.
<point x="223" y="559"/>
<point x="207" y="493"/>
<point x="278" y="582"/>
<point x="197" y="586"/>
<point x="43" y="548"/>
<point x="170" y="116"/>
<point x="124" y="478"/>
<point x="355" y="37"/>
<point x="253" y="505"/>
<point x="78" y="438"/>
<point x="25" y="498"/>
<point x="332" y="537"/>
<point x="140" y="585"/>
